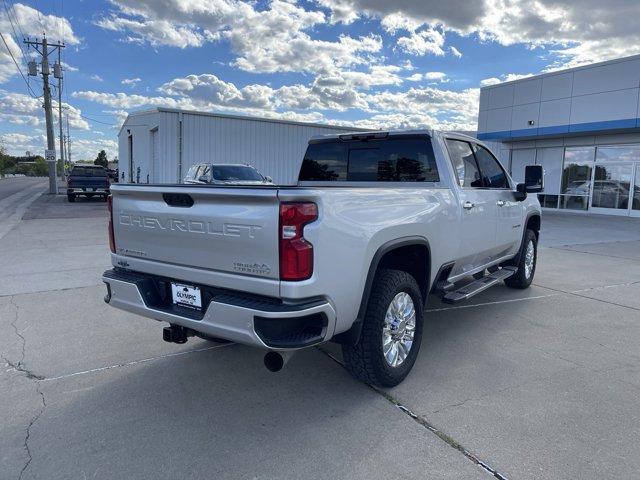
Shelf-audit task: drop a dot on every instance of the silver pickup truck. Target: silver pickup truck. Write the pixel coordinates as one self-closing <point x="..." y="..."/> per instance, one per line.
<point x="376" y="223"/>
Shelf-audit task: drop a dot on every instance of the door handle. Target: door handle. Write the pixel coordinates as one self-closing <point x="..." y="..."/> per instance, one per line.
<point x="501" y="203"/>
<point x="468" y="205"/>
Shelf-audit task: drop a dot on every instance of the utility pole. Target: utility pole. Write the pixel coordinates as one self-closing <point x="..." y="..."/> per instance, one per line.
<point x="57" y="72"/>
<point x="50" y="154"/>
<point x="68" y="156"/>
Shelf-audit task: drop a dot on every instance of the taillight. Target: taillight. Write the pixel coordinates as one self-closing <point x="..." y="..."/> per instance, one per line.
<point x="69" y="182"/>
<point x="296" y="254"/>
<point x="112" y="240"/>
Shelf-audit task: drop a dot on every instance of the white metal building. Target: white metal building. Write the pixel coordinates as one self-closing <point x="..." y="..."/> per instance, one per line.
<point x="159" y="145"/>
<point x="581" y="124"/>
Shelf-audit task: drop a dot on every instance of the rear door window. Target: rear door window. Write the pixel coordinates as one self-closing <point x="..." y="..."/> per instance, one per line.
<point x="464" y="163"/>
<point x="381" y="160"/>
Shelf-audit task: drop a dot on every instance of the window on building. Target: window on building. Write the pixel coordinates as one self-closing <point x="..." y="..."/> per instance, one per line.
<point x="612" y="186"/>
<point x="624" y="153"/>
<point x="464" y="163"/>
<point x="576" y="178"/>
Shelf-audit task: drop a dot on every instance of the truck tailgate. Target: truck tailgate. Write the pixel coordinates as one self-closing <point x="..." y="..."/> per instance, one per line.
<point x="223" y="229"/>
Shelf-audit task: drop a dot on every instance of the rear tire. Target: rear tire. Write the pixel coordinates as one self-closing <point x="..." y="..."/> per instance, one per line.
<point x="71" y="198"/>
<point x="366" y="360"/>
<point x="526" y="263"/>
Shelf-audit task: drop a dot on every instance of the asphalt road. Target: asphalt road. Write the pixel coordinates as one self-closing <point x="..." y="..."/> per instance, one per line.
<point x="16" y="194"/>
<point x="13" y="185"/>
<point x="535" y="384"/>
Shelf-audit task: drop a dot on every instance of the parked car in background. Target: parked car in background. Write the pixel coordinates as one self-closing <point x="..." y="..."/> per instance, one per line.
<point x="113" y="174"/>
<point x="225" y="174"/>
<point x="88" y="180"/>
<point x="377" y="222"/>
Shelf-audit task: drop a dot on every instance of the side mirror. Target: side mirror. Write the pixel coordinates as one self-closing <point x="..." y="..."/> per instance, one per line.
<point x="203" y="179"/>
<point x="521" y="192"/>
<point x="534" y="178"/>
<point x="268" y="179"/>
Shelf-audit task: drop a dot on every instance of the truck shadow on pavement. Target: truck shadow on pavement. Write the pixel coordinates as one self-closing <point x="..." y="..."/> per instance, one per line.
<point x="215" y="413"/>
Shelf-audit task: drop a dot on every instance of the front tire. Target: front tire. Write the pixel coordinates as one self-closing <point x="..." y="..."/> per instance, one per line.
<point x="391" y="331"/>
<point x="526" y="263"/>
<point x="71" y="198"/>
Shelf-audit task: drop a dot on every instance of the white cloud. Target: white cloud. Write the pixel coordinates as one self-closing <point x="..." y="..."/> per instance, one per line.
<point x="81" y="148"/>
<point x="490" y="81"/>
<point x="32" y="23"/>
<point x="209" y="90"/>
<point x="508" y="77"/>
<point x="274" y="39"/>
<point x="131" y="82"/>
<point x="455" y="52"/>
<point x="97" y="78"/>
<point x="19" y="143"/>
<point x="577" y="32"/>
<point x="124" y="100"/>
<point x="88" y="148"/>
<point x="423" y="42"/>
<point x="68" y="68"/>
<point x="431" y="77"/>
<point x="446" y="109"/>
<point x="20" y="109"/>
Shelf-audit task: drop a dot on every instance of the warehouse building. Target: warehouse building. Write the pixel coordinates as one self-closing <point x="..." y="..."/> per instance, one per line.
<point x="159" y="145"/>
<point x="581" y="124"/>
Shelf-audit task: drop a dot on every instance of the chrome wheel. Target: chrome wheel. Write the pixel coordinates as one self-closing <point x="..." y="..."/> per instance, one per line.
<point x="399" y="329"/>
<point x="529" y="259"/>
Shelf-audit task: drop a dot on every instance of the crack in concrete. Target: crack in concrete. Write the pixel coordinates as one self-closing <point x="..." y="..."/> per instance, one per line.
<point x="135" y="362"/>
<point x="28" y="434"/>
<point x="422" y="421"/>
<point x="577" y="293"/>
<point x="20" y="367"/>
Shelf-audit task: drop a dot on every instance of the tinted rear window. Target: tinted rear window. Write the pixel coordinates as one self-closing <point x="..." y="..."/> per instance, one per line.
<point x="88" y="172"/>
<point x="380" y="160"/>
<point x="233" y="172"/>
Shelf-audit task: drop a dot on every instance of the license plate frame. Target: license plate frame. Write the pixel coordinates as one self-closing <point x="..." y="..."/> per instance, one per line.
<point x="187" y="296"/>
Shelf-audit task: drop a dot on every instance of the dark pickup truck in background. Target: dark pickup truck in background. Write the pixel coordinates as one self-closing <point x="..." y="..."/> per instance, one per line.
<point x="88" y="180"/>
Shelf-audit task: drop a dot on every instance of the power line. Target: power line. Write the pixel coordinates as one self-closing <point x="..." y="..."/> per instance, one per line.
<point x="31" y="92"/>
<point x="6" y="8"/>
<point x="97" y="121"/>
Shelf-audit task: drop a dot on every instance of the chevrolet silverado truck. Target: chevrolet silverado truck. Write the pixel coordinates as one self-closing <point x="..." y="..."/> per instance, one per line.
<point x="376" y="223"/>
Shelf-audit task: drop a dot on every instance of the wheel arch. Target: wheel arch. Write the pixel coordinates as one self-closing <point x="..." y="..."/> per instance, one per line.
<point x="400" y="254"/>
<point x="533" y="222"/>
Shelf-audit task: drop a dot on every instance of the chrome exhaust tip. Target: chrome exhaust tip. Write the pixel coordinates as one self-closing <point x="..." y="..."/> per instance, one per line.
<point x="275" y="361"/>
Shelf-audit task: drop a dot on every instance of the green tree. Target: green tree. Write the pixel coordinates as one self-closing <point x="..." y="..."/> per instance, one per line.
<point x="3" y="159"/>
<point x="40" y="169"/>
<point x="102" y="159"/>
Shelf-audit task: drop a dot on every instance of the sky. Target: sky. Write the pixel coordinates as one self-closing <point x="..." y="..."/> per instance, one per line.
<point x="367" y="63"/>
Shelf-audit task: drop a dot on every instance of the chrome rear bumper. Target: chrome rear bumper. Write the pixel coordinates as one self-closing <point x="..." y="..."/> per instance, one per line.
<point x="238" y="318"/>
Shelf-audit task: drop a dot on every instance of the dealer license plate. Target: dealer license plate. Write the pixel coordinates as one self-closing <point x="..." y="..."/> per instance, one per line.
<point x="186" y="295"/>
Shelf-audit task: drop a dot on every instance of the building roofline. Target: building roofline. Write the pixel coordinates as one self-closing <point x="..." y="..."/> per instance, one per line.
<point x="239" y="117"/>
<point x="566" y="70"/>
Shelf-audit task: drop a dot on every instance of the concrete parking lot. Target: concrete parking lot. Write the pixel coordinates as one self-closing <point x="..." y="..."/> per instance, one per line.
<point x="534" y="384"/>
